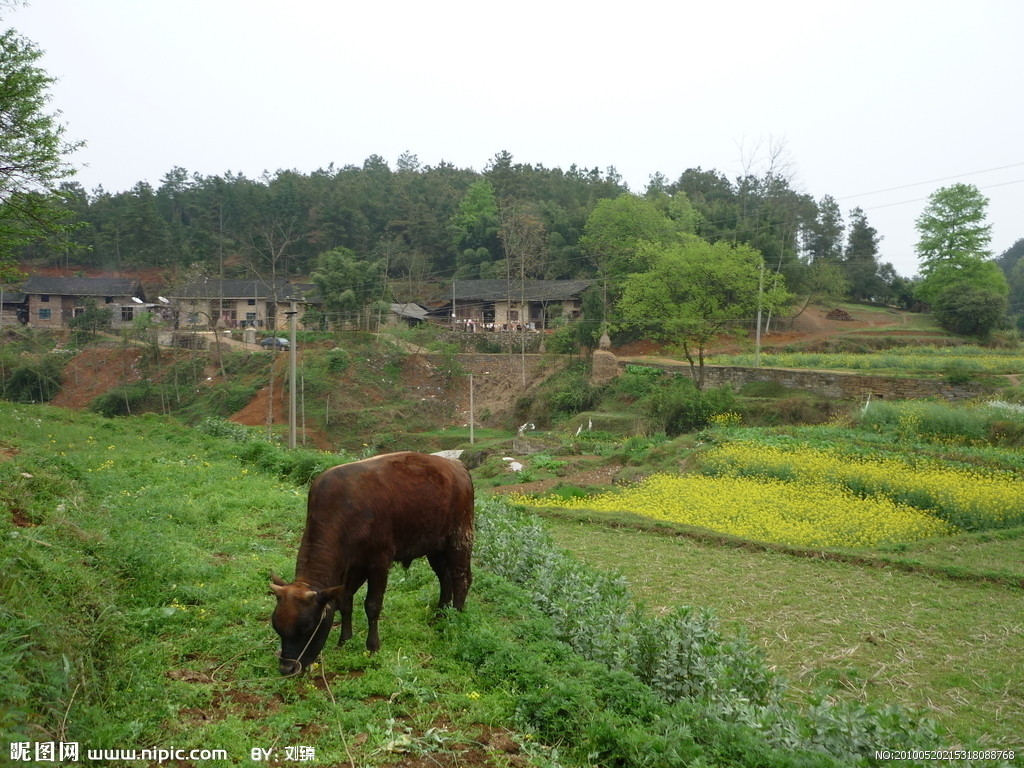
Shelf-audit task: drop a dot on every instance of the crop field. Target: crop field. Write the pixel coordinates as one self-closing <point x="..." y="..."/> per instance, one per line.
<point x="950" y="647"/>
<point x="938" y="360"/>
<point x="134" y="616"/>
<point x="882" y="560"/>
<point x="134" y="607"/>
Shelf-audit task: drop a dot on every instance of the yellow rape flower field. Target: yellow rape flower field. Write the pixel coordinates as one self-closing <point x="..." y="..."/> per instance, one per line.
<point x="970" y="499"/>
<point x="807" y="514"/>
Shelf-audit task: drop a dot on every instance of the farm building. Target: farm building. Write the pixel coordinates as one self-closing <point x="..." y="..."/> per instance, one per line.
<point x="216" y="303"/>
<point x="508" y="304"/>
<point x="51" y="302"/>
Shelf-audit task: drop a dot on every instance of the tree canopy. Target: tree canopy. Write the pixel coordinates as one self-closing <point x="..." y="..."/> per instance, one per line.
<point x="695" y="290"/>
<point x="32" y="153"/>
<point x="953" y="245"/>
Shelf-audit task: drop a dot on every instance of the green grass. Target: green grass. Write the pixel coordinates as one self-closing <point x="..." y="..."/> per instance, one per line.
<point x="134" y="612"/>
<point x="951" y="648"/>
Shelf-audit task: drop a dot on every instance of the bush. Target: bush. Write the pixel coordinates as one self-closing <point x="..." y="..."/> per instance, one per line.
<point x="911" y="420"/>
<point x="564" y="394"/>
<point x="681" y="407"/>
<point x="970" y="310"/>
<point x="124" y="400"/>
<point x="36" y="381"/>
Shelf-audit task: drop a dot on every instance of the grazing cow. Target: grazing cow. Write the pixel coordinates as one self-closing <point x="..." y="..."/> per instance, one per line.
<point x="361" y="518"/>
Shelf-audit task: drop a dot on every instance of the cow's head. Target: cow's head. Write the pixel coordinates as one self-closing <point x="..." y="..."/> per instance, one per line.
<point x="303" y="620"/>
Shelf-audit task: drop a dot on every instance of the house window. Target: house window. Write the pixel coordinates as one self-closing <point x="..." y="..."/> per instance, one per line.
<point x="44" y="297"/>
<point x="251" y="302"/>
<point x="126" y="314"/>
<point x="44" y="314"/>
<point x="250" y="318"/>
<point x="108" y="299"/>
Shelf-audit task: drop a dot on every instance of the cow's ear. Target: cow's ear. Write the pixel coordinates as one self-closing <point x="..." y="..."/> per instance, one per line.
<point x="277" y="589"/>
<point x="330" y="594"/>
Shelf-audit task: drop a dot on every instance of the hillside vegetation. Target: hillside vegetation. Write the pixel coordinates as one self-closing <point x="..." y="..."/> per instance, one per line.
<point x="137" y="551"/>
<point x="136" y="556"/>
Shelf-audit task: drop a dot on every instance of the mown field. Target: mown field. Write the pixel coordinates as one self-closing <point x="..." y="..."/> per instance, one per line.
<point x="881" y="560"/>
<point x="953" y="647"/>
<point x="134" y="608"/>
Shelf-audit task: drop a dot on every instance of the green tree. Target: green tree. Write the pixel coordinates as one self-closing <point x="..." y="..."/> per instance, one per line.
<point x="475" y="231"/>
<point x="953" y="227"/>
<point x="860" y="260"/>
<point x="970" y="310"/>
<point x="954" y="238"/>
<point x="32" y="152"/>
<point x="970" y="275"/>
<point x="347" y="284"/>
<point x="616" y="229"/>
<point x="90" y="321"/>
<point x="823" y="237"/>
<point x="696" y="290"/>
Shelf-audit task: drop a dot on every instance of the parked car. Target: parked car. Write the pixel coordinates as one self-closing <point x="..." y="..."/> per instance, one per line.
<point x="274" y="342"/>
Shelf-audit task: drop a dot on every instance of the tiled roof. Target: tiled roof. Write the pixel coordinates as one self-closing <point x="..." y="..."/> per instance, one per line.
<point x="215" y="288"/>
<point x="83" y="286"/>
<point x="533" y="290"/>
<point x="410" y="310"/>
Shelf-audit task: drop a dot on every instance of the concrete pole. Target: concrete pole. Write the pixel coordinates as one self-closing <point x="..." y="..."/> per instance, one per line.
<point x="471" y="413"/>
<point x="292" y="383"/>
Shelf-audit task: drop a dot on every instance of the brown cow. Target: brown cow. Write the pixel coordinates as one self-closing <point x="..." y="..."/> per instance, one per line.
<point x="361" y="518"/>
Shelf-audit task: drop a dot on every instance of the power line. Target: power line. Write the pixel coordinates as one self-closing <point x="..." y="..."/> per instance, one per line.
<point x="935" y="181"/>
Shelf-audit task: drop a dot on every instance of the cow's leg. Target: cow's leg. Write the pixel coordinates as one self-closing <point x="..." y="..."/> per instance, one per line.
<point x="344" y="605"/>
<point x="460" y="568"/>
<point x="441" y="564"/>
<point x="375" y="586"/>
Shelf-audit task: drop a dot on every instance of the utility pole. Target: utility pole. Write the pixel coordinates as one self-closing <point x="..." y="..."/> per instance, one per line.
<point x="292" y="384"/>
<point x="757" y="331"/>
<point x="471" y="411"/>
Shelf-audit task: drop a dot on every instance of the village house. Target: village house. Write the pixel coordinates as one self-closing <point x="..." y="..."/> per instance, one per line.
<point x="13" y="307"/>
<point x="223" y="303"/>
<point x="52" y="302"/>
<point x="513" y="304"/>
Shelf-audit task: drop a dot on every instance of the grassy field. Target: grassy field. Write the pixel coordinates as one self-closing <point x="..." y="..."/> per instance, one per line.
<point x="134" y="607"/>
<point x="133" y="614"/>
<point x="954" y="648"/>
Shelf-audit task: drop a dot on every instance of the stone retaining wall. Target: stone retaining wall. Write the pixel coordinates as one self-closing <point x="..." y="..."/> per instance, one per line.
<point x="841" y="386"/>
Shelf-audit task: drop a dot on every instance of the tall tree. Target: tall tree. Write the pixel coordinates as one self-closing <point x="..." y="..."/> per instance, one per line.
<point x="823" y="236"/>
<point x="954" y="238"/>
<point x="32" y="152"/>
<point x="616" y="229"/>
<point x="475" y="232"/>
<point x="696" y="290"/>
<point x="348" y="285"/>
<point x="860" y="260"/>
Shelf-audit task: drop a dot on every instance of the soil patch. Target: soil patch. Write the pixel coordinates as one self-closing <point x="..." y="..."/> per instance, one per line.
<point x="93" y="372"/>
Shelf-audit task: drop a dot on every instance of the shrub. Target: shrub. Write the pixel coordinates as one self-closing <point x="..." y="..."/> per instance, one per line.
<point x="680" y="407"/>
<point x="124" y="400"/>
<point x="36" y="381"/>
<point x="227" y="429"/>
<point x="338" y="360"/>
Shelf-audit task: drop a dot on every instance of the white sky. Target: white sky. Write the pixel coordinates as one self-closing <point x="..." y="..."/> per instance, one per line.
<point x="878" y="103"/>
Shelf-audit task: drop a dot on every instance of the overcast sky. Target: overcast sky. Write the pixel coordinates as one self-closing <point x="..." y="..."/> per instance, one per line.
<point x="877" y="103"/>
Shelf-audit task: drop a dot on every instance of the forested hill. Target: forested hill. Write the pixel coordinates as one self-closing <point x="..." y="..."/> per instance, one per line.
<point x="419" y="223"/>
